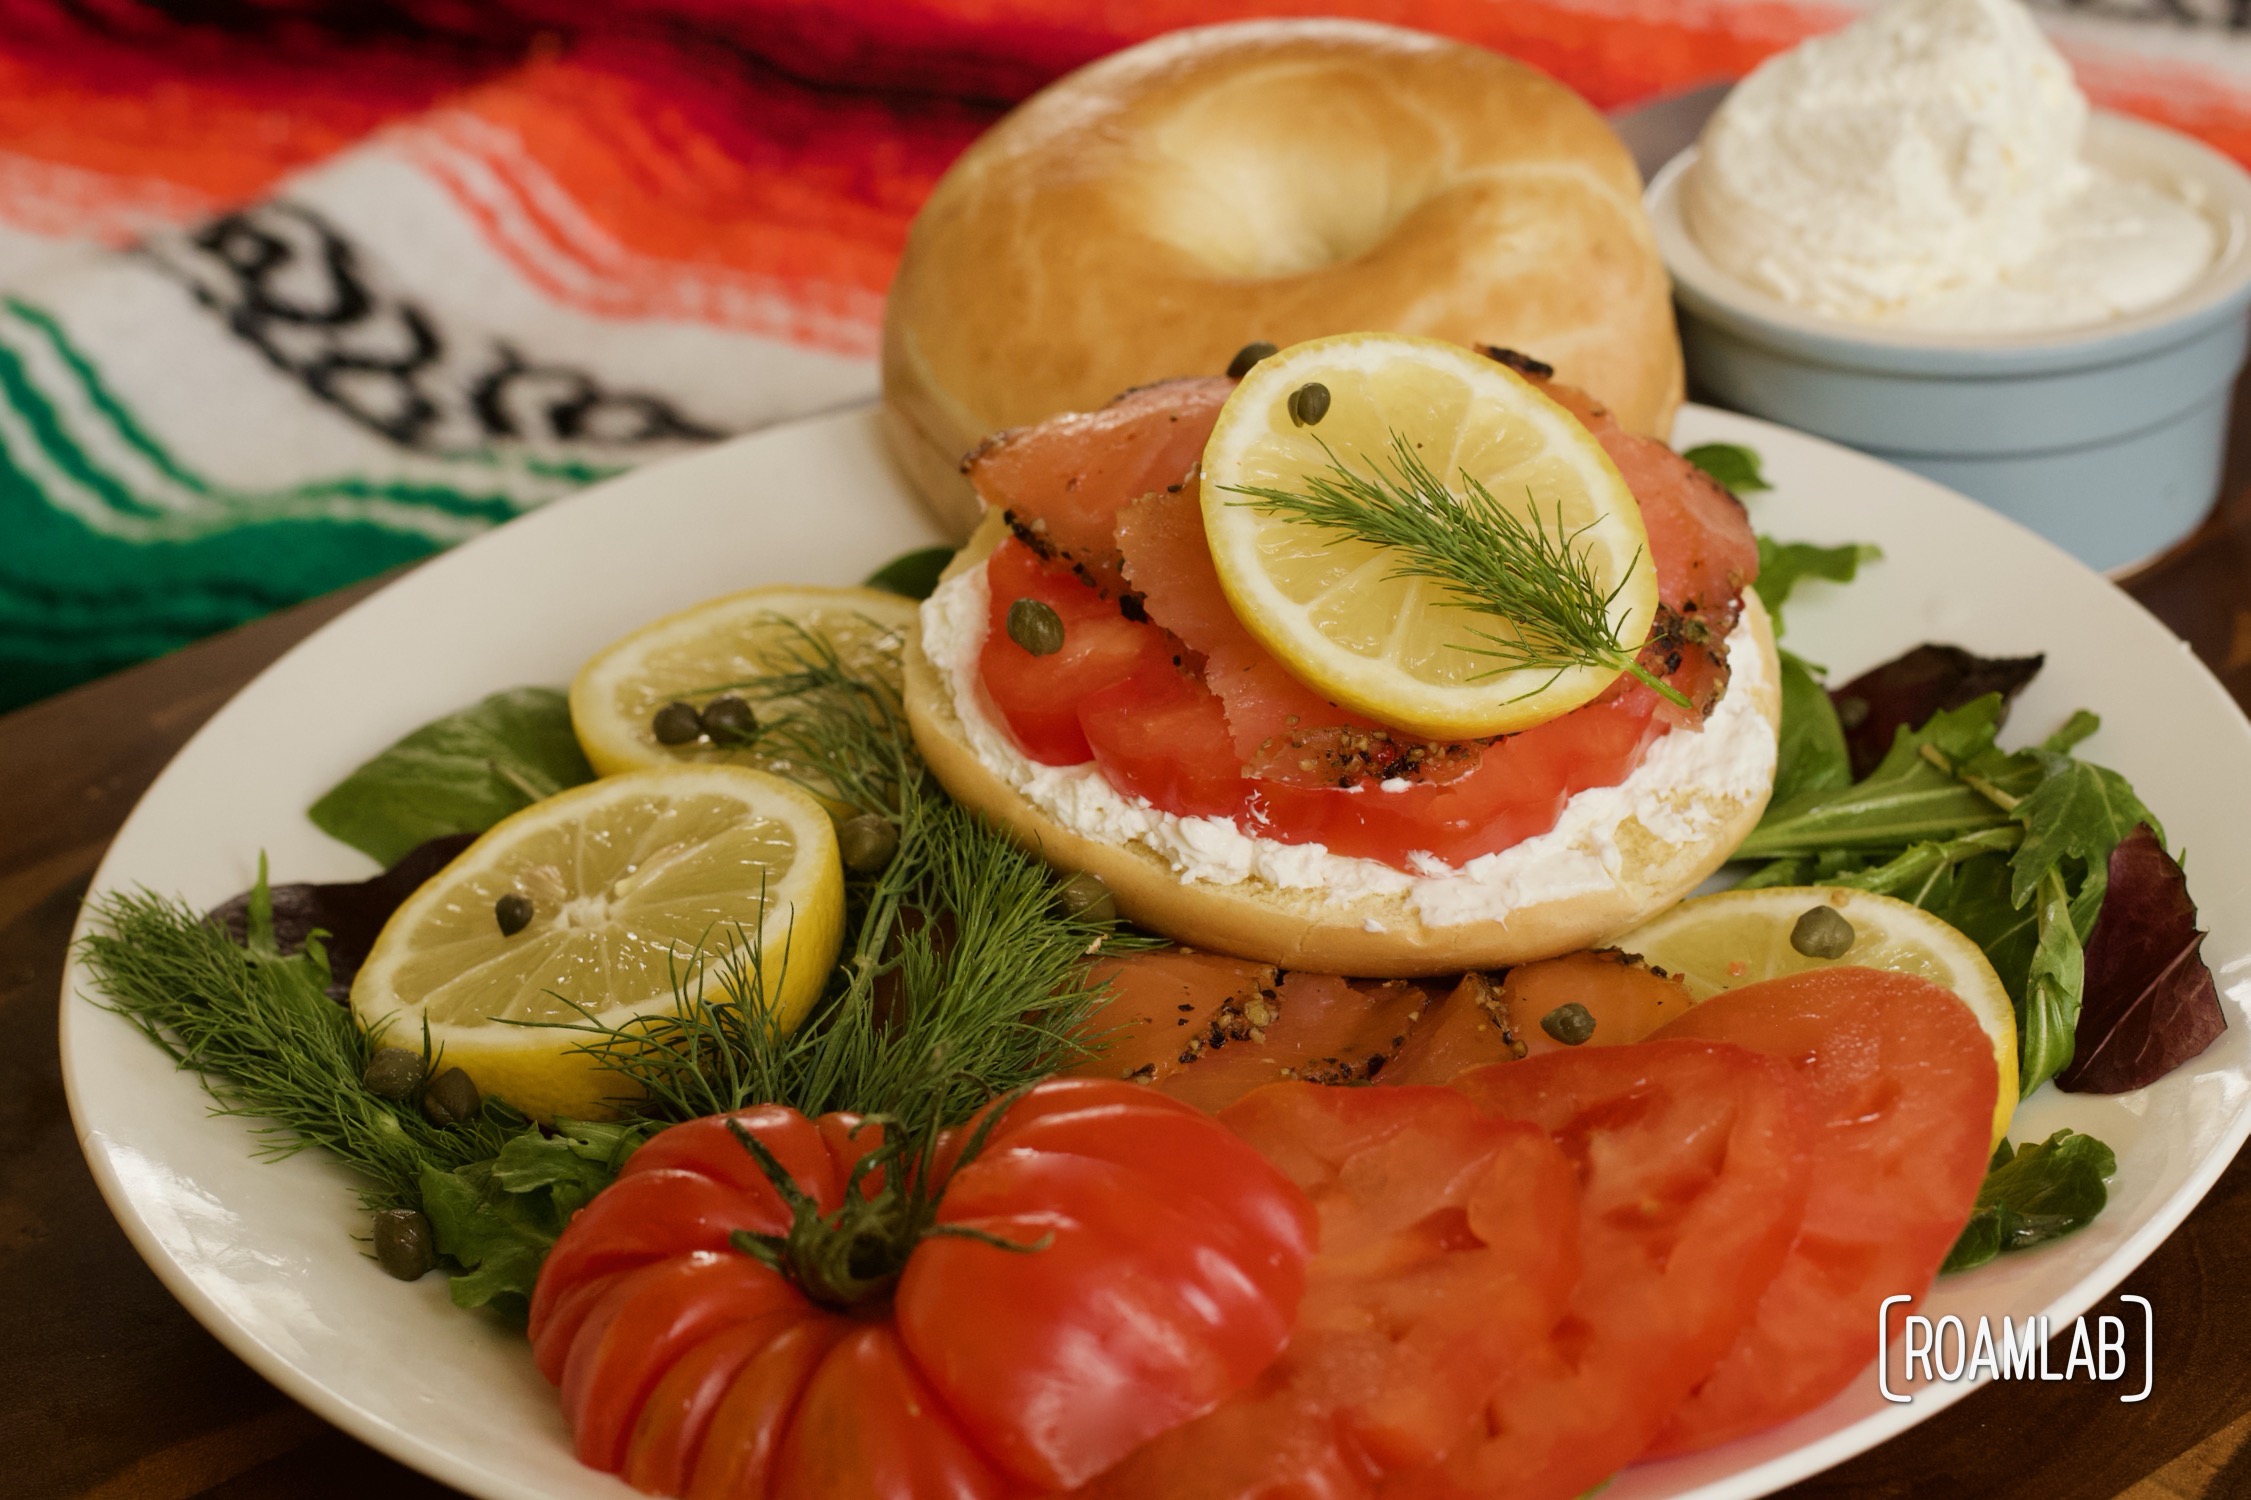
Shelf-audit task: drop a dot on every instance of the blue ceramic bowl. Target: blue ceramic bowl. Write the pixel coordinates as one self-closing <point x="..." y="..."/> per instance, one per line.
<point x="2107" y="439"/>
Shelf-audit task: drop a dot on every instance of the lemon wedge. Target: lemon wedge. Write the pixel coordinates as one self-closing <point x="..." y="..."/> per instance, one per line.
<point x="695" y="655"/>
<point x="630" y="881"/>
<point x="1716" y="943"/>
<point x="1403" y="650"/>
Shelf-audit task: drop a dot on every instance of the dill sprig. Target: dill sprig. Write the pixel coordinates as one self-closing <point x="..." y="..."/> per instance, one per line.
<point x="1490" y="557"/>
<point x="963" y="978"/>
<point x="269" y="1043"/>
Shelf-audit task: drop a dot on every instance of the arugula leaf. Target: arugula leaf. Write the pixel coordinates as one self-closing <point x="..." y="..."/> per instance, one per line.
<point x="1904" y="801"/>
<point x="499" y="1218"/>
<point x="2077" y="811"/>
<point x="1785" y="565"/>
<point x="2035" y="1194"/>
<point x="2048" y="1015"/>
<point x="914" y="574"/>
<point x="1811" y="755"/>
<point x="459" y="774"/>
<point x="1733" y="465"/>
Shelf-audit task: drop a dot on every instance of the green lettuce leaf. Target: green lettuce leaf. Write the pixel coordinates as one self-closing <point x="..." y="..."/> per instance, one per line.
<point x="1812" y="756"/>
<point x="459" y="774"/>
<point x="2034" y="1194"/>
<point x="914" y="574"/>
<point x="1732" y="464"/>
<point x="1785" y="565"/>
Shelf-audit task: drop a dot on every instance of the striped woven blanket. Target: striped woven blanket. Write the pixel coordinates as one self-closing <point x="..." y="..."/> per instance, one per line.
<point x="292" y="291"/>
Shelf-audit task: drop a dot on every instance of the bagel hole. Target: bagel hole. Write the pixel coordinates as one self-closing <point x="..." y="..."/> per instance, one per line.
<point x="1286" y="172"/>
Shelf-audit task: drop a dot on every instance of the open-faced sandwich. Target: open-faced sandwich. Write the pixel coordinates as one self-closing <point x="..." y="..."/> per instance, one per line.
<point x="1393" y="657"/>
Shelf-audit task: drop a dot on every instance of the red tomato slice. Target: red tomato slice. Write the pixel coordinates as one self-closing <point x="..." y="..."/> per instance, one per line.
<point x="1160" y="735"/>
<point x="1692" y="1163"/>
<point x="1901" y="1080"/>
<point x="1447" y="1253"/>
<point x="1039" y="696"/>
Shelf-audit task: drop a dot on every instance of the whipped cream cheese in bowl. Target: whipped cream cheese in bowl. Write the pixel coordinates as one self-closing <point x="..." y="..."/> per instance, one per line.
<point x="1914" y="236"/>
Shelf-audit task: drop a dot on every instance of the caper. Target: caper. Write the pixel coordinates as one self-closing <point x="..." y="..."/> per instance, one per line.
<point x="1570" y="1024"/>
<point x="677" y="724"/>
<point x="393" y="1073"/>
<point x="1085" y="897"/>
<point x="1250" y="354"/>
<point x="1822" y="932"/>
<point x="729" y="721"/>
<point x="1034" y="625"/>
<point x="868" y="843"/>
<point x="451" y="1098"/>
<point x="1309" y="403"/>
<point x="405" y="1246"/>
<point x="512" y="912"/>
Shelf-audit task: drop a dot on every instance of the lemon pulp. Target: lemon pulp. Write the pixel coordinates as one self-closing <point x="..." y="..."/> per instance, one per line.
<point x="701" y="652"/>
<point x="636" y="882"/>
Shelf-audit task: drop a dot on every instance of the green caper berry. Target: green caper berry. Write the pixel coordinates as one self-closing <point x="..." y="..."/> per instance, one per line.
<point x="404" y="1244"/>
<point x="1250" y="354"/>
<point x="1822" y="932"/>
<point x="451" y="1098"/>
<point x="513" y="913"/>
<point x="729" y="721"/>
<point x="393" y="1073"/>
<point x="868" y="843"/>
<point x="1087" y="899"/>
<point x="677" y="724"/>
<point x="1034" y="625"/>
<point x="1570" y="1024"/>
<point x="1309" y="403"/>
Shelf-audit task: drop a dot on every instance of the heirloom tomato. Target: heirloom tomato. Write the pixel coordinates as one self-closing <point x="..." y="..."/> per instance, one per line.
<point x="767" y="1305"/>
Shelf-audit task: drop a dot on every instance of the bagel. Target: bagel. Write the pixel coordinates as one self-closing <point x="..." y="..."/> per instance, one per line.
<point x="1674" y="829"/>
<point x="1150" y="214"/>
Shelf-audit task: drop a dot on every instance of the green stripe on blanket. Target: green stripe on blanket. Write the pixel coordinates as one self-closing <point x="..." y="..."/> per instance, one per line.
<point x="113" y="549"/>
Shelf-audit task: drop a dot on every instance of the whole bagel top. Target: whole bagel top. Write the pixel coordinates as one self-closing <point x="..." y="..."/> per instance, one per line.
<point x="1150" y="214"/>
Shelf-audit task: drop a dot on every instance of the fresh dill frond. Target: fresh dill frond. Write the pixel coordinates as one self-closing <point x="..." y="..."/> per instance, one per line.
<point x="269" y="1043"/>
<point x="1489" y="557"/>
<point x="962" y="978"/>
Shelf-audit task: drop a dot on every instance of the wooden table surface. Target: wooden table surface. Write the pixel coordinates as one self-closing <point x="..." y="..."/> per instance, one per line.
<point x="108" y="1388"/>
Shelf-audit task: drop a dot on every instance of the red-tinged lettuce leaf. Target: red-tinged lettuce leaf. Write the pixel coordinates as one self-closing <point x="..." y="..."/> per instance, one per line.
<point x="1906" y="691"/>
<point x="2149" y="1004"/>
<point x="351" y="912"/>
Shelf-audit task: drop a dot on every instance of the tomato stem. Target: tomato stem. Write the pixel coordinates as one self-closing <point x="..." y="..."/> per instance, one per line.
<point x="857" y="1253"/>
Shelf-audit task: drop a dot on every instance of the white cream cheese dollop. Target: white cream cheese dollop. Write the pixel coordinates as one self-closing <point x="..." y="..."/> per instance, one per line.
<point x="1922" y="169"/>
<point x="1733" y="755"/>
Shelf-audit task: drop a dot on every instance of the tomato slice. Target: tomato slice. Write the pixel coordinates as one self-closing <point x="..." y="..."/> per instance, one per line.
<point x="1692" y="1162"/>
<point x="1039" y="696"/>
<point x="1447" y="1252"/>
<point x="1901" y="1080"/>
<point x="1160" y="735"/>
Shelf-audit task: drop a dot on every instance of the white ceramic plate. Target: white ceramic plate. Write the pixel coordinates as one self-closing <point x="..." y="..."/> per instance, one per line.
<point x="263" y="1253"/>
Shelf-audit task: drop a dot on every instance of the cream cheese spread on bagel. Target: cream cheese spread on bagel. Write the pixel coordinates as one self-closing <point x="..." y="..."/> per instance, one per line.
<point x="1729" y="760"/>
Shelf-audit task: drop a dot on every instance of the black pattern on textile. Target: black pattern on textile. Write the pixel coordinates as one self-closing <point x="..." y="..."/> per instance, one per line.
<point x="295" y="288"/>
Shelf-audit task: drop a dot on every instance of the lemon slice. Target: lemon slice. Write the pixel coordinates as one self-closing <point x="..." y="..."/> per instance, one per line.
<point x="628" y="878"/>
<point x="1716" y="943"/>
<point x="1395" y="648"/>
<point x="695" y="655"/>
